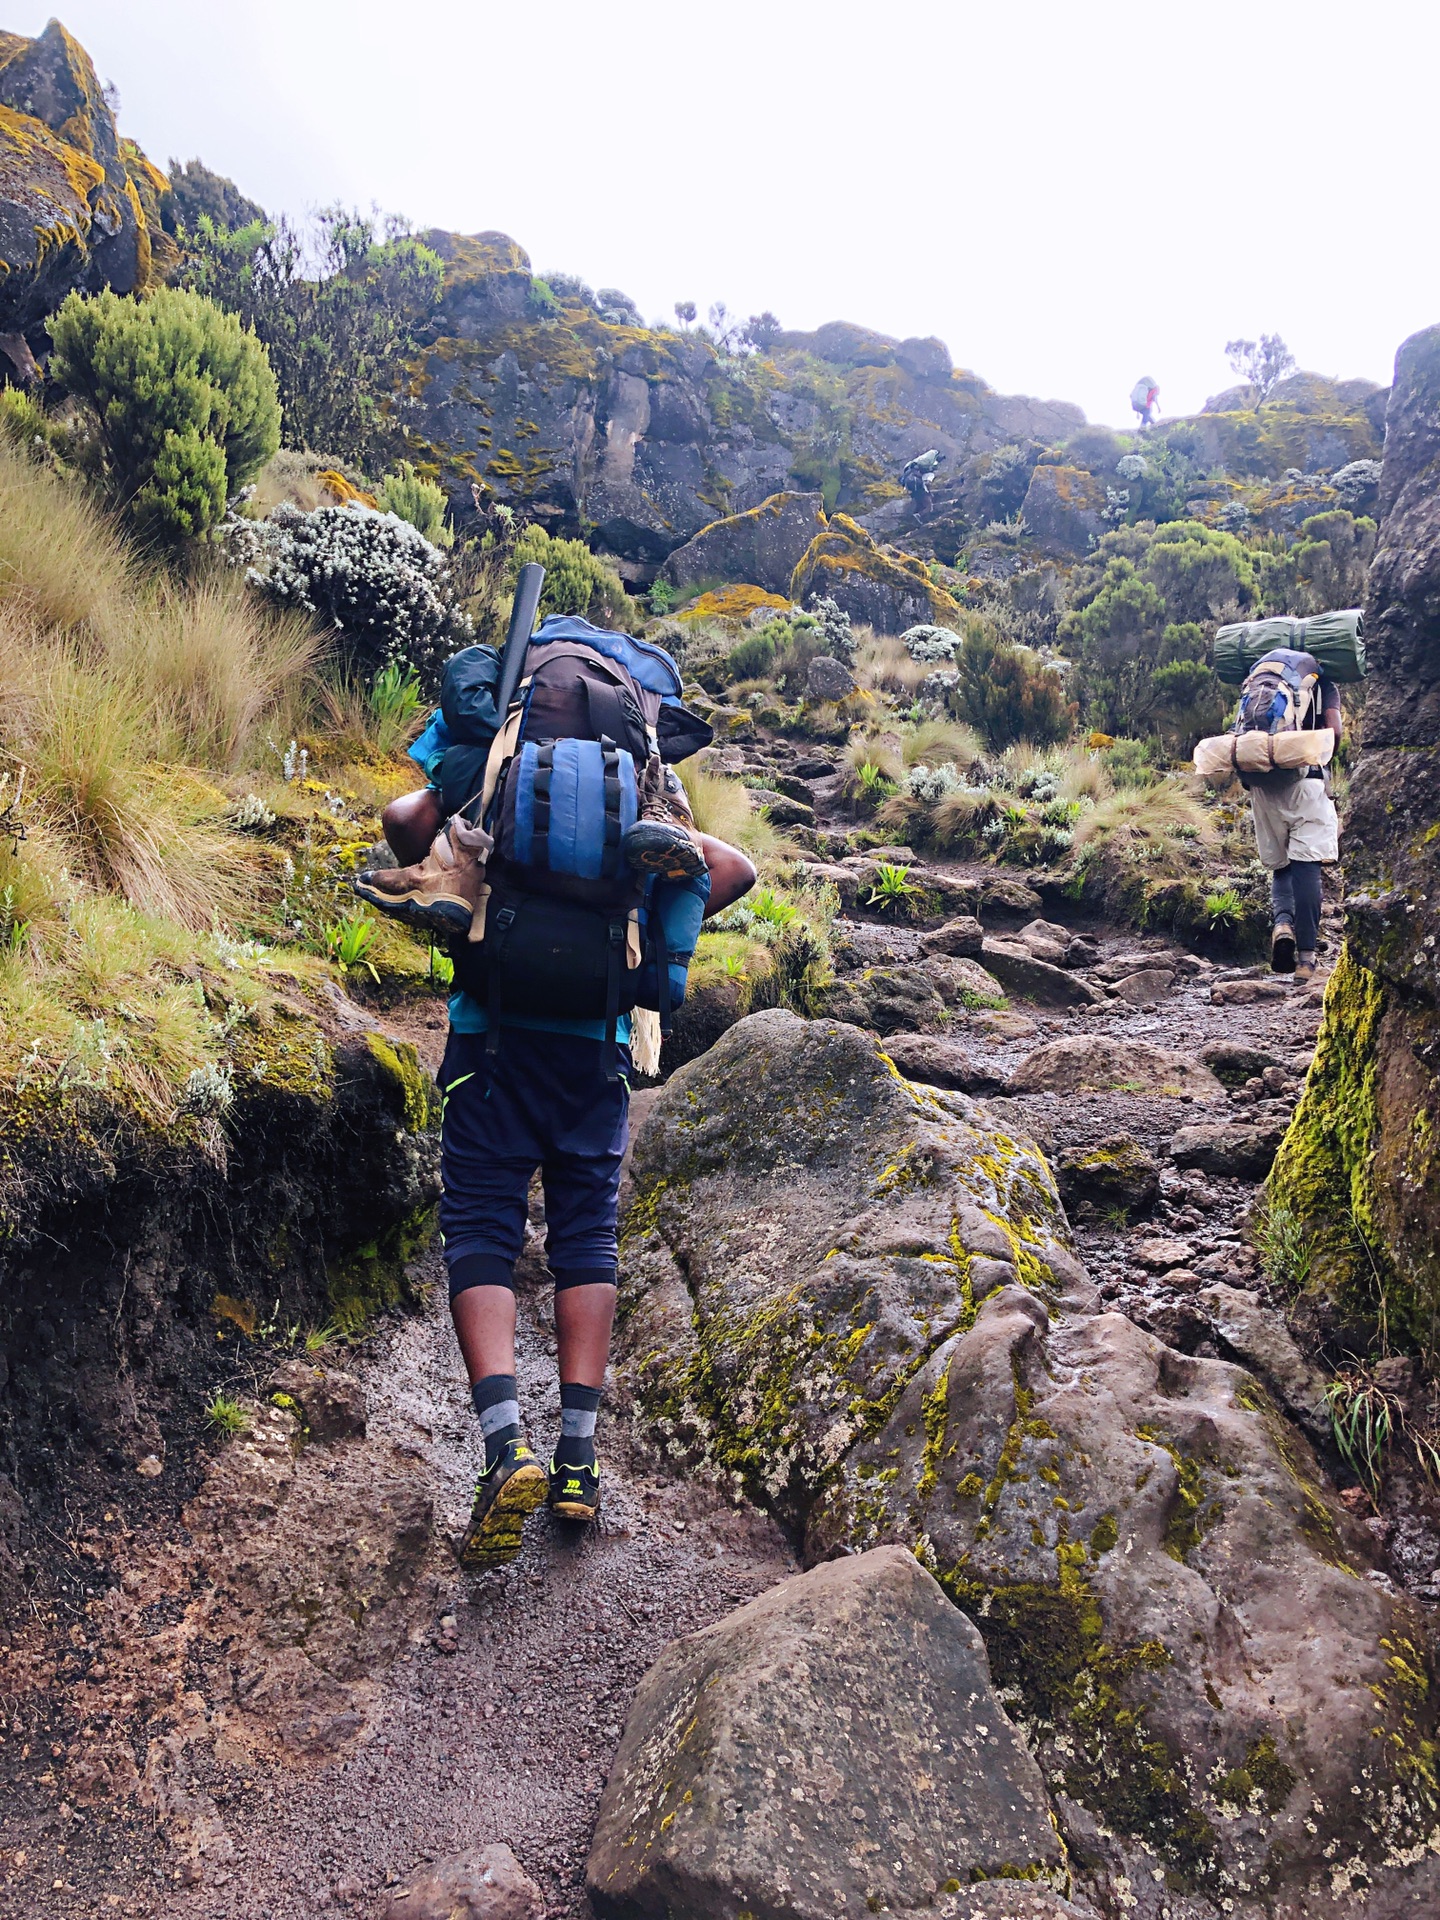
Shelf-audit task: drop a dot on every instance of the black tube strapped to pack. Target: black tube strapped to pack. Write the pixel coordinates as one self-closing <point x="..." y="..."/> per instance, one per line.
<point x="614" y="966"/>
<point x="497" y="937"/>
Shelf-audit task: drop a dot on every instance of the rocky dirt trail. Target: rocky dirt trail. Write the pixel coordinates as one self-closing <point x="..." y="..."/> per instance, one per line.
<point x="276" y="1779"/>
<point x="281" y="1698"/>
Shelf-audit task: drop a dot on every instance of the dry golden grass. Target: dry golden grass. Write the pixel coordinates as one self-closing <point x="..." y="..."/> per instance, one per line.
<point x="1136" y="814"/>
<point x="120" y="692"/>
<point x="934" y="742"/>
<point x="882" y="663"/>
<point x="722" y="808"/>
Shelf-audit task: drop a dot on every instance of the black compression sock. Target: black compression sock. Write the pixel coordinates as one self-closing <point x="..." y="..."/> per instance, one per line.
<point x="497" y="1403"/>
<point x="576" y="1445"/>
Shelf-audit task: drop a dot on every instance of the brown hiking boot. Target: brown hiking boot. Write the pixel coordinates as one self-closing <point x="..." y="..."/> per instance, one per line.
<point x="663" y="841"/>
<point x="441" y="892"/>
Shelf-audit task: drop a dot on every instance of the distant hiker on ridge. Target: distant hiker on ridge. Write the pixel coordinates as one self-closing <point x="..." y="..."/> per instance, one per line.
<point x="1145" y="400"/>
<point x="918" y="475"/>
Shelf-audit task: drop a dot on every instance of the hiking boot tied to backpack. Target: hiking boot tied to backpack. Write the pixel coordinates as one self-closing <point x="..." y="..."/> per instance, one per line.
<point x="441" y="894"/>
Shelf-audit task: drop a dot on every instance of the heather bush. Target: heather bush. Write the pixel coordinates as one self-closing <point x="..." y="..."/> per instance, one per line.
<point x="182" y="398"/>
<point x="379" y="583"/>
<point x="1007" y="694"/>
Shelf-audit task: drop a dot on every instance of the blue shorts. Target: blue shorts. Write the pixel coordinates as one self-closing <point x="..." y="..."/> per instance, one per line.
<point x="542" y="1100"/>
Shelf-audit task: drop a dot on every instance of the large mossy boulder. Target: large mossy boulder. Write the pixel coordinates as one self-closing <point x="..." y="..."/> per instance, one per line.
<point x="1064" y="508"/>
<point x="887" y="591"/>
<point x="807" y="1227"/>
<point x="762" y="547"/>
<point x="79" y="206"/>
<point x="785" y="1762"/>
<point x="1213" y="1690"/>
<point x="1360" y="1165"/>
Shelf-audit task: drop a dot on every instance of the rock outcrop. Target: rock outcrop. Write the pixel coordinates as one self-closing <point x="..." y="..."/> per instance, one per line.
<point x="1361" y="1165"/>
<point x="640" y="437"/>
<point x="855" y="1297"/>
<point x="762" y="547"/>
<point x="833" y="1749"/>
<point x="79" y="206"/>
<point x="889" y="591"/>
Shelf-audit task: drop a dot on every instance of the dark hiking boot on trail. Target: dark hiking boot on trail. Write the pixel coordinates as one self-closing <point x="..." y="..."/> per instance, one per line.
<point x="574" y="1491"/>
<point x="441" y="892"/>
<point x="1282" y="948"/>
<point x="505" y="1496"/>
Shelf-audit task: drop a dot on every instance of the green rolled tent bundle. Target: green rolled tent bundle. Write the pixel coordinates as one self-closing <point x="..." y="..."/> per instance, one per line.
<point x="1336" y="641"/>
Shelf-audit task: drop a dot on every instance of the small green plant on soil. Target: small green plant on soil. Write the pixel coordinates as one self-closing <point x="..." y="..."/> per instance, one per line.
<point x="892" y="887"/>
<point x="348" y="941"/>
<point x="226" y="1415"/>
<point x="874" y="785"/>
<point x="733" y="965"/>
<point x="1362" y="1422"/>
<point x="1286" y="1250"/>
<point x="395" y="703"/>
<point x="318" y="1339"/>
<point x="765" y="904"/>
<point x="442" y="968"/>
<point x="1225" y="909"/>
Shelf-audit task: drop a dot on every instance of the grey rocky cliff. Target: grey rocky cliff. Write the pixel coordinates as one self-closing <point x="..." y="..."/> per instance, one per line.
<point x="640" y="437"/>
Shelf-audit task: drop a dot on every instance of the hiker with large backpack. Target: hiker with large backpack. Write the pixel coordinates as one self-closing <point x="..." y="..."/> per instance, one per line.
<point x="570" y="884"/>
<point x="1280" y="745"/>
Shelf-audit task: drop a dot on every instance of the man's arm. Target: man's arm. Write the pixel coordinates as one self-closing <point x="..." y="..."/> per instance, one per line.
<point x="1330" y="714"/>
<point x="731" y="874"/>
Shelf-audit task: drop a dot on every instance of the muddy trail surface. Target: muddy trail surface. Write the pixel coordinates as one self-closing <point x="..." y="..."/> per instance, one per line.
<point x="272" y="1693"/>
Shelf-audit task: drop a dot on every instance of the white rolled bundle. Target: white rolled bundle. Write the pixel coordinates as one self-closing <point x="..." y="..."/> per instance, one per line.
<point x="1224" y="755"/>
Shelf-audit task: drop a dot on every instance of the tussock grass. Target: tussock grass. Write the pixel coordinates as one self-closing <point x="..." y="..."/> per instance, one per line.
<point x="134" y="701"/>
<point x="934" y="742"/>
<point x="1137" y="814"/>
<point x="120" y="692"/>
<point x="883" y="664"/>
<point x="885" y="756"/>
<point x="722" y="808"/>
<point x="958" y="817"/>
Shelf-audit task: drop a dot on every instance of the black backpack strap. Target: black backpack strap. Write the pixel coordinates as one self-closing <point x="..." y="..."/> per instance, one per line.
<point x="497" y="936"/>
<point x="662" y="974"/>
<point x="540" y="789"/>
<point x="614" y="967"/>
<point x="610" y="859"/>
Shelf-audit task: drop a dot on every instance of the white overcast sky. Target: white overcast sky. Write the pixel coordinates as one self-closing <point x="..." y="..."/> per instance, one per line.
<point x="1069" y="195"/>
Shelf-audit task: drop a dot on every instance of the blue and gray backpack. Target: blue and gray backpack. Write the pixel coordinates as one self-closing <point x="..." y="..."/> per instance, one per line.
<point x="570" y="931"/>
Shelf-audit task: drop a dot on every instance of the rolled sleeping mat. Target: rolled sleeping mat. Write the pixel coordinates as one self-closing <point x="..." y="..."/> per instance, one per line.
<point x="1224" y="755"/>
<point x="1336" y="640"/>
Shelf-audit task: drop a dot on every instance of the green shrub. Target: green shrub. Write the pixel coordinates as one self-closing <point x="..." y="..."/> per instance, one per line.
<point x="575" y="580"/>
<point x="1144" y="605"/>
<point x="183" y="398"/>
<point x="1005" y="693"/>
<point x="753" y="657"/>
<point x="422" y="502"/>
